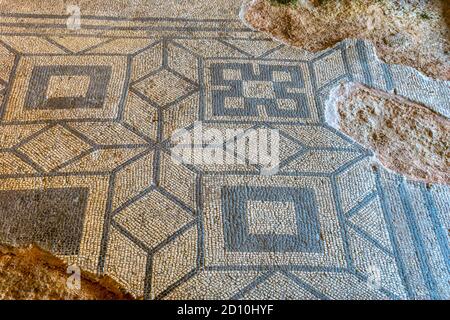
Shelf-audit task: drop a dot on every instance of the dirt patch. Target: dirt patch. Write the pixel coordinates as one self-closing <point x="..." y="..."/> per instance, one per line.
<point x="406" y="137"/>
<point x="31" y="273"/>
<point x="412" y="32"/>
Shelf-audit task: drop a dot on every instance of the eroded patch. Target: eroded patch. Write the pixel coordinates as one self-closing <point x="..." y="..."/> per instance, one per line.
<point x="44" y="276"/>
<point x="413" y="33"/>
<point x="406" y="137"/>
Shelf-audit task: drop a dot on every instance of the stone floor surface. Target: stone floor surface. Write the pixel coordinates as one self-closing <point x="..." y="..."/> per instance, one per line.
<point x="86" y="120"/>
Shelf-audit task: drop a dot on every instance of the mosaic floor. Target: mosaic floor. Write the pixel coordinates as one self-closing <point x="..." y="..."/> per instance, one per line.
<point x="86" y="119"/>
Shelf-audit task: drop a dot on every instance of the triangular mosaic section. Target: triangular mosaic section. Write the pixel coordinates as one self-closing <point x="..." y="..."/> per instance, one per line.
<point x="315" y="136"/>
<point x="31" y="45"/>
<point x="254" y="48"/>
<point x="376" y="264"/>
<point x="147" y="61"/>
<point x="210" y="48"/>
<point x="78" y="44"/>
<point x="279" y="287"/>
<point x="103" y="160"/>
<point x="11" y="135"/>
<point x="122" y="46"/>
<point x="165" y="275"/>
<point x="370" y="219"/>
<point x="321" y="161"/>
<point x="111" y="133"/>
<point x="11" y="164"/>
<point x="7" y="62"/>
<point x="133" y="179"/>
<point x="339" y="285"/>
<point x="227" y="283"/>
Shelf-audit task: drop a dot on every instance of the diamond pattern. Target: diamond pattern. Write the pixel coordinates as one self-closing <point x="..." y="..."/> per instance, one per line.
<point x="53" y="147"/>
<point x="164" y="87"/>
<point x="153" y="218"/>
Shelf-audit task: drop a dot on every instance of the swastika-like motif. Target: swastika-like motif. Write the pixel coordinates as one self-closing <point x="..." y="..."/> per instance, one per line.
<point x="276" y="88"/>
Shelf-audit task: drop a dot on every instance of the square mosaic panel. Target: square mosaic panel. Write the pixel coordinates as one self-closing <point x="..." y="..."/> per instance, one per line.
<point x="100" y="84"/>
<point x="251" y="215"/>
<point x="68" y="87"/>
<point x="229" y="218"/>
<point x="259" y="91"/>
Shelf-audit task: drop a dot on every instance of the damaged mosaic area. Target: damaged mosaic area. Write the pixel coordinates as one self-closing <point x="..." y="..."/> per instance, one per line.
<point x="86" y="170"/>
<point x="406" y="137"/>
<point x="407" y="32"/>
<point x="43" y="276"/>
